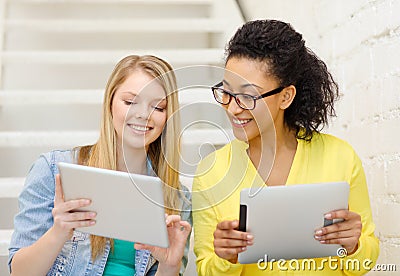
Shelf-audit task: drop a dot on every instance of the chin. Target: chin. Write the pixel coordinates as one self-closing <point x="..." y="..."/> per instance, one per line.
<point x="245" y="136"/>
<point x="240" y="135"/>
<point x="134" y="144"/>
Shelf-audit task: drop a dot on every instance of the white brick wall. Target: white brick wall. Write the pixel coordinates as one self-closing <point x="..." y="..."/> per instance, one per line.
<point x="360" y="41"/>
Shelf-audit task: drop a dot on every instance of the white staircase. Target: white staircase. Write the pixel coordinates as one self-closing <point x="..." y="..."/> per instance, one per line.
<point x="56" y="56"/>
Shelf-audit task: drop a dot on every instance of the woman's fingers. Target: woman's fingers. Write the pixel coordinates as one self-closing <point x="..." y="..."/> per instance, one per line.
<point x="227" y="230"/>
<point x="68" y="225"/>
<point x="78" y="216"/>
<point x="76" y="204"/>
<point x="228" y="241"/>
<point x="185" y="226"/>
<point x="68" y="206"/>
<point x="335" y="236"/>
<point x="351" y="221"/>
<point x="228" y="225"/>
<point x="229" y="253"/>
<point x="171" y="219"/>
<point x="345" y="233"/>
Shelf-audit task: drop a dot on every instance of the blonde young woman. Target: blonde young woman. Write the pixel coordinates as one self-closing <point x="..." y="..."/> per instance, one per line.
<point x="138" y="134"/>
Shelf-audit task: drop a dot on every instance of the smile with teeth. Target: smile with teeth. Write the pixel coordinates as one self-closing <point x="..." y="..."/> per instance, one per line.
<point x="240" y="122"/>
<point x="140" y="128"/>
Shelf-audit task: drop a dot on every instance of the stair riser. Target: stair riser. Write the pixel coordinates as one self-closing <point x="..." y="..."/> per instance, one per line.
<point x="8" y="207"/>
<point x="22" y="40"/>
<point x="50" y="117"/>
<point x="105" y="11"/>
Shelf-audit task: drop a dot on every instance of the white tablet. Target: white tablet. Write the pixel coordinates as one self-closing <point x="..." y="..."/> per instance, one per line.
<point x="128" y="206"/>
<point x="283" y="220"/>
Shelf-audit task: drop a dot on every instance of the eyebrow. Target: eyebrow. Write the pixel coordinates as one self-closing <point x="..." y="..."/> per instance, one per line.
<point x="136" y="95"/>
<point x="129" y="92"/>
<point x="160" y="100"/>
<point x="244" y="85"/>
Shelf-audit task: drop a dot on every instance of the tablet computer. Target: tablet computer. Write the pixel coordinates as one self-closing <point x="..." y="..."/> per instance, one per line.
<point x="283" y="220"/>
<point x="128" y="206"/>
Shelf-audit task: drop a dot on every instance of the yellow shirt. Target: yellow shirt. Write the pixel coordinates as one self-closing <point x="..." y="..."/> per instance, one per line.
<point x="223" y="174"/>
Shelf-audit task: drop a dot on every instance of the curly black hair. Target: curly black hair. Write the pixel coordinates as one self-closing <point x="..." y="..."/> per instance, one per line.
<point x="288" y="59"/>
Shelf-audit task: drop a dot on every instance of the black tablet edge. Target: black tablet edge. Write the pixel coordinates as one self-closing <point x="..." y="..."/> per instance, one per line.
<point x="242" y="218"/>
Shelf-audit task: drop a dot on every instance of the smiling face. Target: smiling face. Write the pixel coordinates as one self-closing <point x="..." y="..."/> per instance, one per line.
<point x="139" y="110"/>
<point x="247" y="76"/>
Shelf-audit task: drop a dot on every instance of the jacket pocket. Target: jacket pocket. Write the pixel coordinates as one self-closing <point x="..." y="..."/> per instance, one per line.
<point x="67" y="258"/>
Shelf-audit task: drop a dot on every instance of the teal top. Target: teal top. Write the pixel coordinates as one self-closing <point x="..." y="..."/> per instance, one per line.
<point x="121" y="260"/>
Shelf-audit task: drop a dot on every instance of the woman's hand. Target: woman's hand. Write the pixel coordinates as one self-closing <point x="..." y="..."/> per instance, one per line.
<point x="170" y="258"/>
<point x="228" y="241"/>
<point x="345" y="233"/>
<point x="65" y="219"/>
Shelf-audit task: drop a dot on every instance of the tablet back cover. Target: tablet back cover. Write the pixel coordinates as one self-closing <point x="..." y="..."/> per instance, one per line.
<point x="129" y="206"/>
<point x="283" y="220"/>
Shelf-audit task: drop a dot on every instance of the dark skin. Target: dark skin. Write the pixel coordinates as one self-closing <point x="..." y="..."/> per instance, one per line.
<point x="228" y="241"/>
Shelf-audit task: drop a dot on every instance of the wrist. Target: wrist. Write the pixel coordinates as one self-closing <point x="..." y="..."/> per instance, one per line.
<point x="167" y="270"/>
<point x="353" y="250"/>
<point x="58" y="235"/>
<point x="234" y="260"/>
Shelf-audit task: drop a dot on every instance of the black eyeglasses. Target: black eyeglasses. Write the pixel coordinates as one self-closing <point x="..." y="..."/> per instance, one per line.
<point x="245" y="101"/>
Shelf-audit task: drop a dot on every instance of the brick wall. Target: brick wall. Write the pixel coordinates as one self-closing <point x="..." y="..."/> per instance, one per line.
<point x="360" y="41"/>
<point x="362" y="45"/>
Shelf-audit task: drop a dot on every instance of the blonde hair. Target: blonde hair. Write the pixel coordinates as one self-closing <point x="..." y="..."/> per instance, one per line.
<point x="163" y="152"/>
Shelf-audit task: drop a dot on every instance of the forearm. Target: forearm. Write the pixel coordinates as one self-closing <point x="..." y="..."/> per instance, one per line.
<point x="207" y="262"/>
<point x="38" y="258"/>
<point x="213" y="265"/>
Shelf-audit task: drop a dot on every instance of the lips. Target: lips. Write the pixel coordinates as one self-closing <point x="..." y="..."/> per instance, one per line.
<point x="139" y="128"/>
<point x="240" y="122"/>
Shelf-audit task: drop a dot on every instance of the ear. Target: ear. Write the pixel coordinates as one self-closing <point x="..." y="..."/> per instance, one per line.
<point x="288" y="94"/>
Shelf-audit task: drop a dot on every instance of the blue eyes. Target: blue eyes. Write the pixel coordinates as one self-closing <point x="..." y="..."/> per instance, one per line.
<point x="160" y="109"/>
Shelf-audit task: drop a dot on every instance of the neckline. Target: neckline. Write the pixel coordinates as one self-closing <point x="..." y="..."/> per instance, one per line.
<point x="257" y="177"/>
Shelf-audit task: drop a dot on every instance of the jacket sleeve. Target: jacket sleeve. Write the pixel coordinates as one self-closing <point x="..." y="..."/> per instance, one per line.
<point x="205" y="220"/>
<point x="368" y="246"/>
<point x="186" y="214"/>
<point x="35" y="204"/>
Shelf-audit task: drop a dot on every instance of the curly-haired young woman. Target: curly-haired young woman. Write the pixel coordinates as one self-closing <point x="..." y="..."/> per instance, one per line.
<point x="278" y="96"/>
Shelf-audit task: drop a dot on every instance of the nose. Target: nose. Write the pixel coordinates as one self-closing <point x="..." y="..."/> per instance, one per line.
<point x="233" y="107"/>
<point x="141" y="111"/>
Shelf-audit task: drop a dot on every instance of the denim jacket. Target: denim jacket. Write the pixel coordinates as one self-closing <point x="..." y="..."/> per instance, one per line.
<point x="35" y="218"/>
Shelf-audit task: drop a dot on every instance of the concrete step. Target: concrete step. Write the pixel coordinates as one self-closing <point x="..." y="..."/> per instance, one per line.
<point x="11" y="187"/>
<point x="142" y="2"/>
<point x="109" y="9"/>
<point x="5" y="237"/>
<point x="64" y="139"/>
<point x="61" y="97"/>
<point x="48" y="116"/>
<point x="174" y="56"/>
<point x="170" y="25"/>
